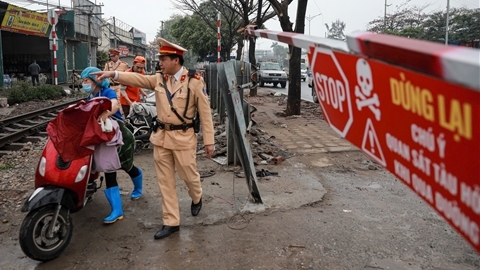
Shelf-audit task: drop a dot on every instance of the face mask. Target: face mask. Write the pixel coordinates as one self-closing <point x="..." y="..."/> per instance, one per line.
<point x="87" y="88"/>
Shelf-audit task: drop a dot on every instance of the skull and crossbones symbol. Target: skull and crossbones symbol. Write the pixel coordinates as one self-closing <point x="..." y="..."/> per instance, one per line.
<point x="364" y="89"/>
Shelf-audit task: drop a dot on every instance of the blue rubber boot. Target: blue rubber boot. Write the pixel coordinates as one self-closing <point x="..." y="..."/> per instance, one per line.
<point x="137" y="186"/>
<point x="113" y="197"/>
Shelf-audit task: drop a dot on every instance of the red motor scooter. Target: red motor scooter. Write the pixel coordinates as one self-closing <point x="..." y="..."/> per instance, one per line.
<point x="61" y="187"/>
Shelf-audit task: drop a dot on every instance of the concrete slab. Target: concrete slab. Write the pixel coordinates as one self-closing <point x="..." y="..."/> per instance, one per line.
<point x="226" y="195"/>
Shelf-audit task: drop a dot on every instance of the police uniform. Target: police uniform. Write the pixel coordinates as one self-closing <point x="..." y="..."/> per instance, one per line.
<point x="119" y="66"/>
<point x="174" y="148"/>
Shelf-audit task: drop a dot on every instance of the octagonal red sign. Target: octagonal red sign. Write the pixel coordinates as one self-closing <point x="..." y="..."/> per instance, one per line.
<point x="332" y="89"/>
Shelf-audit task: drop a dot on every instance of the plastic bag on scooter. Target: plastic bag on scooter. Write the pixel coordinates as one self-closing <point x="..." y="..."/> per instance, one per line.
<point x="94" y="134"/>
<point x="76" y="127"/>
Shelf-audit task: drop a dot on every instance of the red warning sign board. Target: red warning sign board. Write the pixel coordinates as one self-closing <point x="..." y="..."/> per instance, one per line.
<point x="422" y="129"/>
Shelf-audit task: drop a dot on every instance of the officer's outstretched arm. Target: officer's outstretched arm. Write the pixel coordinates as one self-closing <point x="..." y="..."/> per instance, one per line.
<point x="137" y="80"/>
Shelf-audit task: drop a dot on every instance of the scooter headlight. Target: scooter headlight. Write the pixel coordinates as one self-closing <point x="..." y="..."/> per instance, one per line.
<point x="81" y="173"/>
<point x="42" y="166"/>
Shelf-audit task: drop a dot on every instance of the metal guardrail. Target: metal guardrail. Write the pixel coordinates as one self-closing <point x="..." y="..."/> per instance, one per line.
<point x="226" y="82"/>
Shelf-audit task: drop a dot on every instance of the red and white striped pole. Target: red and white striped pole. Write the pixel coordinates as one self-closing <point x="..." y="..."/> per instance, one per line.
<point x="53" y="35"/>
<point x="219" y="47"/>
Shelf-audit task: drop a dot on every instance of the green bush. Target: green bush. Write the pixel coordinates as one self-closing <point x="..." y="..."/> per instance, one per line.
<point x="23" y="91"/>
<point x="49" y="92"/>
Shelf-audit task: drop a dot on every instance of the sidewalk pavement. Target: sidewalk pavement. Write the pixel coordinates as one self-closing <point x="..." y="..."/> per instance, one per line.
<point x="226" y="195"/>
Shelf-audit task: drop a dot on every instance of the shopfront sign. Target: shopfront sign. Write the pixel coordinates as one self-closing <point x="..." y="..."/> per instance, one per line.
<point x="25" y="21"/>
<point x="123" y="50"/>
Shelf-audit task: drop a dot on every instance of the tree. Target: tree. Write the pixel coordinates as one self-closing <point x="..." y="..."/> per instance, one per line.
<point x="465" y="25"/>
<point x="336" y="30"/>
<point x="102" y="58"/>
<point x="191" y="32"/>
<point x="247" y="10"/>
<point x="404" y="21"/>
<point x="294" y="84"/>
<point x="164" y="30"/>
<point x="433" y="28"/>
<point x="207" y="10"/>
<point x="169" y="32"/>
<point x="413" y="22"/>
<point x="279" y="51"/>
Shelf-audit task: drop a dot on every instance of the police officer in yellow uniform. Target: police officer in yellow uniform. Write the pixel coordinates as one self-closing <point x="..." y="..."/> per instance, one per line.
<point x="115" y="64"/>
<point x="175" y="140"/>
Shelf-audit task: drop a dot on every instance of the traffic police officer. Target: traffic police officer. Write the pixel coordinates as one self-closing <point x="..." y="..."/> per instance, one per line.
<point x="175" y="140"/>
<point x="115" y="64"/>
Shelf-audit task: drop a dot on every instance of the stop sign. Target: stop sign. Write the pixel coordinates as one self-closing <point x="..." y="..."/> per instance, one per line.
<point x="333" y="91"/>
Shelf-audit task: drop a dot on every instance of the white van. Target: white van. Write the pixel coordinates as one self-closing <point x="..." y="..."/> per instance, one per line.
<point x="303" y="71"/>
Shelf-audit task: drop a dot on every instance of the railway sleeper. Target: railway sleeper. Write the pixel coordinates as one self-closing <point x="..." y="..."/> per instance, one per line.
<point x="13" y="146"/>
<point x="20" y="126"/>
<point x="33" y="139"/>
<point x="45" y="118"/>
<point x="4" y="152"/>
<point x="11" y="129"/>
<point x="31" y="122"/>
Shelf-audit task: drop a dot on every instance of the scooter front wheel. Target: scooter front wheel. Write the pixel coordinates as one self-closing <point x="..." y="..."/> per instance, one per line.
<point x="35" y="239"/>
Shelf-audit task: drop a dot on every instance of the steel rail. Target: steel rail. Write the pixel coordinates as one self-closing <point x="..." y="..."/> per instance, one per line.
<point x="16" y="119"/>
<point x="17" y="134"/>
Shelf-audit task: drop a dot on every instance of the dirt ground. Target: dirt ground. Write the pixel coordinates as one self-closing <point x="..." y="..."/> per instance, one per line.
<point x="367" y="219"/>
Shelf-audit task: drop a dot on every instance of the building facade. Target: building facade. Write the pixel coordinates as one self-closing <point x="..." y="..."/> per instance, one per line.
<point x="128" y="40"/>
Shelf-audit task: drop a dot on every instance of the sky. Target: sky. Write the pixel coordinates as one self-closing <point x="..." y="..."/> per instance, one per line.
<point x="147" y="15"/>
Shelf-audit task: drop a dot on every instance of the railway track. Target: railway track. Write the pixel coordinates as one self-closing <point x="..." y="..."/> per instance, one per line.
<point x="30" y="127"/>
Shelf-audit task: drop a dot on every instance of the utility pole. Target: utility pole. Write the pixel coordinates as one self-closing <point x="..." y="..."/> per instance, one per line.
<point x="115" y="31"/>
<point x="89" y="13"/>
<point x="446" y="26"/>
<point x="310" y="18"/>
<point x="89" y="40"/>
<point x="385" y="17"/>
<point x="161" y="29"/>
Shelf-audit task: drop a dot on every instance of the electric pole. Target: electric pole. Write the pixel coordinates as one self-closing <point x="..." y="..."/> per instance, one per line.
<point x="115" y="31"/>
<point x="446" y="26"/>
<point x="89" y="13"/>
<point x="385" y="17"/>
<point x="310" y="18"/>
<point x="161" y="29"/>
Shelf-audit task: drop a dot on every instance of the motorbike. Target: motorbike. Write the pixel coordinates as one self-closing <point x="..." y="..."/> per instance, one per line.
<point x="62" y="185"/>
<point x="61" y="188"/>
<point x="139" y="122"/>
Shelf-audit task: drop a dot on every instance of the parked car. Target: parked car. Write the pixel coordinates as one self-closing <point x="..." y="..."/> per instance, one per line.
<point x="303" y="71"/>
<point x="311" y="84"/>
<point x="270" y="72"/>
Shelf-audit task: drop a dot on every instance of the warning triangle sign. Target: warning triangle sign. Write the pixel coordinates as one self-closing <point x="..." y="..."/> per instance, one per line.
<point x="370" y="144"/>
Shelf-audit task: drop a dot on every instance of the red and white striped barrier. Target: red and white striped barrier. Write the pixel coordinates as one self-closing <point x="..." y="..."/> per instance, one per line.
<point x="412" y="106"/>
<point x="53" y="36"/>
<point x="455" y="64"/>
<point x="219" y="45"/>
<point x="458" y="65"/>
